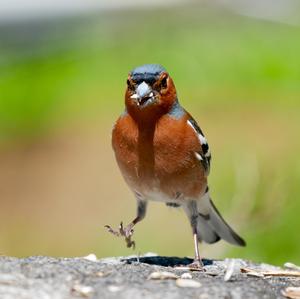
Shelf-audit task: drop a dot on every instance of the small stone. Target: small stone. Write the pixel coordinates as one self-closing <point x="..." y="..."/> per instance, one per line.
<point x="148" y="254"/>
<point x="292" y="292"/>
<point x="114" y="289"/>
<point x="162" y="275"/>
<point x="186" y="276"/>
<point x="8" y="279"/>
<point x="102" y="274"/>
<point x="84" y="291"/>
<point x="188" y="283"/>
<point x="292" y="266"/>
<point x="204" y="296"/>
<point x="91" y="257"/>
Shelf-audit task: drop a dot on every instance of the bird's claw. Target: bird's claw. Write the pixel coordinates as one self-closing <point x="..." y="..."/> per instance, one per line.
<point x="196" y="265"/>
<point x="126" y="232"/>
<point x="112" y="231"/>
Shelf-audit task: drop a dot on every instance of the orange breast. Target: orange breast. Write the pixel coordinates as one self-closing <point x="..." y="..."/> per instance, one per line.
<point x="159" y="158"/>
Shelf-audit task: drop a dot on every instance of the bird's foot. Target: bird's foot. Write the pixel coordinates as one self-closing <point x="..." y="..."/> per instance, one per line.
<point x="126" y="232"/>
<point x="196" y="265"/>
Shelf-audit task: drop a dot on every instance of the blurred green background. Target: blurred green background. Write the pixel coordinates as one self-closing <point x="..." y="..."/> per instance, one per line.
<point x="62" y="83"/>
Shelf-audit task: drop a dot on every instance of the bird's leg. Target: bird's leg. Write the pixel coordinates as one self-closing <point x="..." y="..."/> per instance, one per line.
<point x="197" y="263"/>
<point x="127" y="232"/>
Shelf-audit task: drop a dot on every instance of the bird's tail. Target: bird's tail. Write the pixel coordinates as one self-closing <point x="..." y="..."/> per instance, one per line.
<point x="211" y="227"/>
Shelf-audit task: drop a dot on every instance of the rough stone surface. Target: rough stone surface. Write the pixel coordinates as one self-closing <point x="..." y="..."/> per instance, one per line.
<point x="45" y="277"/>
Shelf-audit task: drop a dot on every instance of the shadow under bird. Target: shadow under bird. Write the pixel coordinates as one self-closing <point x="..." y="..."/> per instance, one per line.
<point x="164" y="156"/>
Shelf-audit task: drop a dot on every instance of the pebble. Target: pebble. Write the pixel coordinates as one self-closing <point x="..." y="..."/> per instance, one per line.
<point x="82" y="290"/>
<point x="188" y="283"/>
<point x="162" y="275"/>
<point x="291" y="292"/>
<point x="114" y="289"/>
<point x="91" y="257"/>
<point x="292" y="266"/>
<point x="9" y="279"/>
<point x="186" y="276"/>
<point x="103" y="274"/>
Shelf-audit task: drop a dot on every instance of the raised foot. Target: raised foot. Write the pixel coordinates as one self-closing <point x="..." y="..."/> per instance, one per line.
<point x="126" y="232"/>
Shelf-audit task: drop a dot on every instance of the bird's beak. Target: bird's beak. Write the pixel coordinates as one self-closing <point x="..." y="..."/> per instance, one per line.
<point x="143" y="93"/>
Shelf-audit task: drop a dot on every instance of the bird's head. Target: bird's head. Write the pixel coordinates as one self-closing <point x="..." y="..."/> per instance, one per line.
<point x="150" y="91"/>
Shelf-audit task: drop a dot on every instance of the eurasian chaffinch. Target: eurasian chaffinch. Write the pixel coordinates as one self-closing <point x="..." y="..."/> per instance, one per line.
<point x="164" y="156"/>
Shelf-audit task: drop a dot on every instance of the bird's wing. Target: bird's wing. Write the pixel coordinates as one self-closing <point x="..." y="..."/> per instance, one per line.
<point x="204" y="155"/>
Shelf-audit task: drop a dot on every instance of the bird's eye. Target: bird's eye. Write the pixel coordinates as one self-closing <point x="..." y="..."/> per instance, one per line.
<point x="164" y="82"/>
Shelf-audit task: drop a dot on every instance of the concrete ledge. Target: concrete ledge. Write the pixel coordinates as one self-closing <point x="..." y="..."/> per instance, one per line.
<point x="128" y="277"/>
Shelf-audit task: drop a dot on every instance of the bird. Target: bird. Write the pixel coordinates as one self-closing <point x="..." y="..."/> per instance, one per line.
<point x="164" y="156"/>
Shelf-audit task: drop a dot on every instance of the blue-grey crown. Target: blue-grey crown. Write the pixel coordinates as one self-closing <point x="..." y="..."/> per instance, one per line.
<point x="147" y="72"/>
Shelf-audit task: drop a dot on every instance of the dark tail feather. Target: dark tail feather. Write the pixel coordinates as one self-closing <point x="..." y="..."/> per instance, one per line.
<point x="212" y="227"/>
